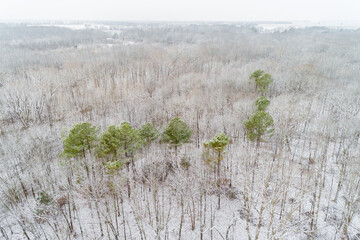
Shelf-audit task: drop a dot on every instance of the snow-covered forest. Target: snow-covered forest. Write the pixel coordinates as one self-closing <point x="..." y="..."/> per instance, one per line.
<point x="179" y="131"/>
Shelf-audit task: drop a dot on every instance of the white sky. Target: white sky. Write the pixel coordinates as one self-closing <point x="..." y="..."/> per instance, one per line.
<point x="181" y="10"/>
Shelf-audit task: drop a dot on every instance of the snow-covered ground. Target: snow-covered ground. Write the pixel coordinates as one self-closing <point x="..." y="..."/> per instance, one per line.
<point x="303" y="183"/>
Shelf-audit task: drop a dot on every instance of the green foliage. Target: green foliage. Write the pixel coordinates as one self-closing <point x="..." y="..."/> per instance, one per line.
<point x="130" y="139"/>
<point x="149" y="133"/>
<point x="110" y="144"/>
<point x="81" y="138"/>
<point x="218" y="143"/>
<point x="45" y="205"/>
<point x="262" y="80"/>
<point x="44" y="198"/>
<point x="262" y="103"/>
<point x="176" y="133"/>
<point x="259" y="123"/>
<point x="258" y="126"/>
<point x="119" y="142"/>
<point x="185" y="162"/>
<point x="214" y="148"/>
<point x="257" y="74"/>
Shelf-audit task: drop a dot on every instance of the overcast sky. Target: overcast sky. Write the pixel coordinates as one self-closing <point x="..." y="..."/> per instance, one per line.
<point x="181" y="10"/>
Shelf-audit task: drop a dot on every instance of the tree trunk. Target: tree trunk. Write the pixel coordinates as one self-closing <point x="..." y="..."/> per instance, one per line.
<point x="218" y="179"/>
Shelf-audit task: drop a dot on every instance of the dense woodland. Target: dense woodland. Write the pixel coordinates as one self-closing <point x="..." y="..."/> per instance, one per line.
<point x="166" y="131"/>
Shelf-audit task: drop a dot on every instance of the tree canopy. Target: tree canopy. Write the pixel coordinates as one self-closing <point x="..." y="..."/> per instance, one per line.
<point x="130" y="139"/>
<point x="81" y="138"/>
<point x="214" y="148"/>
<point x="149" y="132"/>
<point x="258" y="126"/>
<point x="262" y="103"/>
<point x="218" y="142"/>
<point x="213" y="154"/>
<point x="110" y="144"/>
<point x="262" y="80"/>
<point x="176" y="133"/>
<point x="119" y="141"/>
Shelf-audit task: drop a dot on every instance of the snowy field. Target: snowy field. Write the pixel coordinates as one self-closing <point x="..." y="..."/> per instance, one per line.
<point x="301" y="181"/>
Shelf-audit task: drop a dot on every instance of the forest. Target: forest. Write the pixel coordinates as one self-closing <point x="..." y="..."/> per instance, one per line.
<point x="179" y="131"/>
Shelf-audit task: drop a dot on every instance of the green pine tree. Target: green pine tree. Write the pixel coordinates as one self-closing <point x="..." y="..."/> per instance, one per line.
<point x="130" y="138"/>
<point x="213" y="154"/>
<point x="81" y="138"/>
<point x="214" y="149"/>
<point x="120" y="143"/>
<point x="149" y="133"/>
<point x="258" y="126"/>
<point x="262" y="103"/>
<point x="110" y="146"/>
<point x="262" y="81"/>
<point x="176" y="133"/>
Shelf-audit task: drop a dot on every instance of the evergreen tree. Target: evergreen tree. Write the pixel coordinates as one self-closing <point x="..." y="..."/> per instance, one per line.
<point x="215" y="148"/>
<point x="262" y="103"/>
<point x="82" y="137"/>
<point x="120" y="142"/>
<point x="110" y="144"/>
<point x="130" y="138"/>
<point x="176" y="133"/>
<point x="149" y="133"/>
<point x="262" y="81"/>
<point x="258" y="126"/>
<point x="213" y="154"/>
<point x="257" y="74"/>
